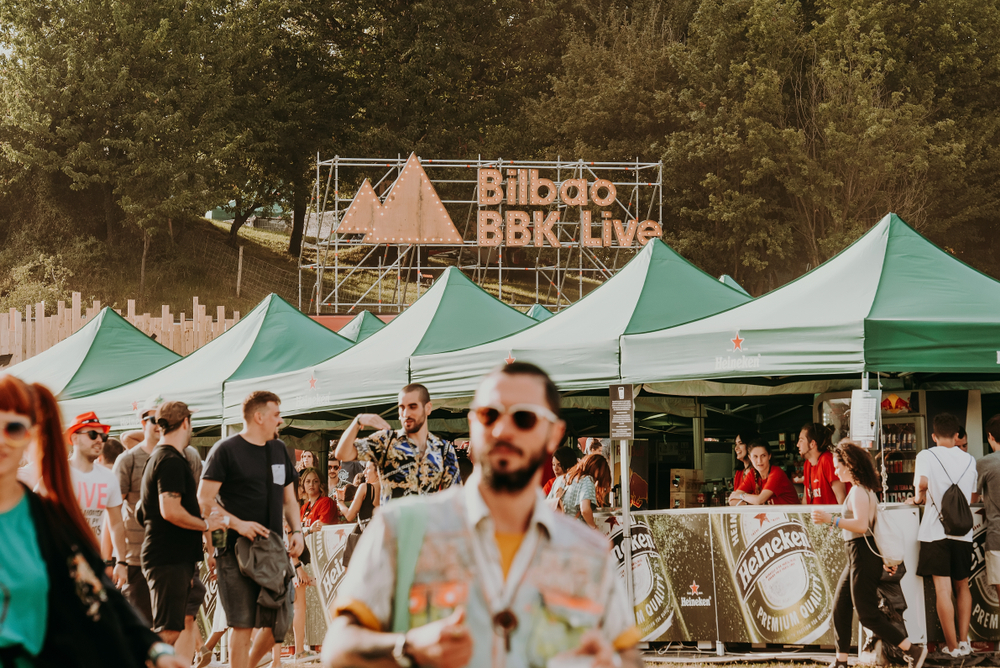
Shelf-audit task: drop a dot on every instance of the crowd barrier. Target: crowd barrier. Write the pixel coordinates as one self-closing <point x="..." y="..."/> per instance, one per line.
<point x="749" y="574"/>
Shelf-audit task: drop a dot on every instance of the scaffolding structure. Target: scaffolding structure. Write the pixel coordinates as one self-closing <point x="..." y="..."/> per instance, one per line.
<point x="343" y="274"/>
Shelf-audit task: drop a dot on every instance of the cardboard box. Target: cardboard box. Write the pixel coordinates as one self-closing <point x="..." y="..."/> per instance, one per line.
<point x="687" y="500"/>
<point x="686" y="480"/>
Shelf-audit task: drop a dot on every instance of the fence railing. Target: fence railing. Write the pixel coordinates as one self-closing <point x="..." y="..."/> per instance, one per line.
<point x="28" y="333"/>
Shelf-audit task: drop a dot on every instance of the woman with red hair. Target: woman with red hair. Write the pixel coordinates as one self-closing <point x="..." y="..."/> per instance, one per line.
<point x="587" y="487"/>
<point x="60" y="608"/>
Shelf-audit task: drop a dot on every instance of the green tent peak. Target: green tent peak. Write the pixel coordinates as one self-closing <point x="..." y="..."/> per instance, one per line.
<point x="361" y="327"/>
<point x="456" y="313"/>
<point x="672" y="291"/>
<point x="106" y="352"/>
<point x="539" y="313"/>
<point x="285" y="338"/>
<point x="726" y="279"/>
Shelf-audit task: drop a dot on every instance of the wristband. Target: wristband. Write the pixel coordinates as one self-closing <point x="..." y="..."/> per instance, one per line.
<point x="836" y="522"/>
<point x="296" y="531"/>
<point x="123" y="563"/>
<point x="160" y="649"/>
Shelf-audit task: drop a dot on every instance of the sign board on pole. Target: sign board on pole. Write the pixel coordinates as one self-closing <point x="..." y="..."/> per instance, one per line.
<point x="622" y="413"/>
<point x="866" y="414"/>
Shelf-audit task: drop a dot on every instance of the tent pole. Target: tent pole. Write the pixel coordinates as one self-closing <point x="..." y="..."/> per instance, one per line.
<point x="626" y="502"/>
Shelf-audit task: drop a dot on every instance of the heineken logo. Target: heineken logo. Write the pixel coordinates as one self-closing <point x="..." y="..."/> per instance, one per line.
<point x="769" y="548"/>
<point x="741" y="361"/>
<point x="696" y="599"/>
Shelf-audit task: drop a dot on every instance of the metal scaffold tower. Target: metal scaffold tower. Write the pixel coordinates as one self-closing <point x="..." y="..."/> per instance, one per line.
<point x="379" y="231"/>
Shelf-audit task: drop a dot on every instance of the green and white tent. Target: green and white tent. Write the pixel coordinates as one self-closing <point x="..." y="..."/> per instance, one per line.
<point x="890" y="302"/>
<point x="539" y="313"/>
<point x="361" y="327"/>
<point x="452" y="314"/>
<point x="106" y="352"/>
<point x="273" y="337"/>
<point x="578" y="347"/>
<point x="731" y="282"/>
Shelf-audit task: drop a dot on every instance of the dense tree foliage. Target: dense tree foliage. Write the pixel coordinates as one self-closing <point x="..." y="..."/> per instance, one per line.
<point x="786" y="127"/>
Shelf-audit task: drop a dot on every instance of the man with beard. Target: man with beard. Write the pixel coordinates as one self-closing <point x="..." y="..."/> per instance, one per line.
<point x="411" y="460"/>
<point x="486" y="574"/>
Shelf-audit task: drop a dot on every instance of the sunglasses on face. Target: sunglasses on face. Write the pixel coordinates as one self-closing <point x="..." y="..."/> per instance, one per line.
<point x="94" y="435"/>
<point x="16" y="431"/>
<point x="524" y="416"/>
<point x="149" y="418"/>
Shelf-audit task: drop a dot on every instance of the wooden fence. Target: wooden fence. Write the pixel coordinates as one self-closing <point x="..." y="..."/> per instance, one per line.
<point x="23" y="335"/>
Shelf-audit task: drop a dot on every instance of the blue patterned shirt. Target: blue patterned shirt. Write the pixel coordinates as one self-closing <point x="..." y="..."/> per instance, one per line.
<point x="403" y="470"/>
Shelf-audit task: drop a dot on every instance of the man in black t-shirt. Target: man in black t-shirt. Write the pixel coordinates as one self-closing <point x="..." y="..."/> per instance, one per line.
<point x="172" y="545"/>
<point x="253" y="478"/>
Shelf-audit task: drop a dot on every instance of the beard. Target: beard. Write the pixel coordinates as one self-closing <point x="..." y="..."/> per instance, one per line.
<point x="510" y="481"/>
<point x="417" y="425"/>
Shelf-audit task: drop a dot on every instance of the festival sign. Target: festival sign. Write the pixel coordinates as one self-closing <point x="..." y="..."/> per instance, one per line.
<point x="517" y="207"/>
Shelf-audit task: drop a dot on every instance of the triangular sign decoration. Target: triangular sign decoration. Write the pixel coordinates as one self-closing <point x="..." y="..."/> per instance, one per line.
<point x="412" y="213"/>
<point x="360" y="216"/>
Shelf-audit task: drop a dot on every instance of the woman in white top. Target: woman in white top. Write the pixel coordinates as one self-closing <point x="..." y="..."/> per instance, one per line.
<point x="859" y="583"/>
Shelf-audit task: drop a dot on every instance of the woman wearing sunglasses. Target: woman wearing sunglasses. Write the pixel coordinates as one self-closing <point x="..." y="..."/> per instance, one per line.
<point x="58" y="607"/>
<point x="587" y="484"/>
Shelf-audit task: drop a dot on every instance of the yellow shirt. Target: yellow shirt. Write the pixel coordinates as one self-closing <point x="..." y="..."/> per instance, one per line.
<point x="508" y="544"/>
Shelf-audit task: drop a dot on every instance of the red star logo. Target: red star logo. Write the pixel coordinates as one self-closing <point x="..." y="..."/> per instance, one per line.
<point x="135" y="405"/>
<point x="695" y="588"/>
<point x="737" y="342"/>
<point x="762" y="517"/>
<point x="510" y="357"/>
<point x="312" y="382"/>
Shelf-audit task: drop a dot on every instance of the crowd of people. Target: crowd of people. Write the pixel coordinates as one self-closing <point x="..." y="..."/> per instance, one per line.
<point x="106" y="537"/>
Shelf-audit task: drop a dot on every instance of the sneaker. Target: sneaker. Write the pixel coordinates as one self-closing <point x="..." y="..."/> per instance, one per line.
<point x="306" y="656"/>
<point x="202" y="658"/>
<point x="837" y="663"/>
<point x="916" y="655"/>
<point x="965" y="648"/>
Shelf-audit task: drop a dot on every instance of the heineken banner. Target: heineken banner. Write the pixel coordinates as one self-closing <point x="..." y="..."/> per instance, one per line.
<point x="745" y="574"/>
<point x="985" y="622"/>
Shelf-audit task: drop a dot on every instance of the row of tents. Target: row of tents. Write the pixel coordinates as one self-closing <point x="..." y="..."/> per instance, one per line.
<point x="890" y="303"/>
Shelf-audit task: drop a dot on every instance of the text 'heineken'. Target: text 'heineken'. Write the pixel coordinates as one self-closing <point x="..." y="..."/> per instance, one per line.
<point x="655" y="602"/>
<point x="985" y="620"/>
<point x="782" y="589"/>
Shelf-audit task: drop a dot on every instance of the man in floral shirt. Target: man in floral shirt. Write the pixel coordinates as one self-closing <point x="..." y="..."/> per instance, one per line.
<point x="410" y="460"/>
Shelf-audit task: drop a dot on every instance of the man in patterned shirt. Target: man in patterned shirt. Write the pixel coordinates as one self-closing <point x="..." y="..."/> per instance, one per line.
<point x="411" y="460"/>
<point x="486" y="574"/>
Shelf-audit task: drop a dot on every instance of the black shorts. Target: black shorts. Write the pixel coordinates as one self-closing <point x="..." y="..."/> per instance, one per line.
<point x="136" y="592"/>
<point x="946" y="558"/>
<point x="196" y="596"/>
<point x="238" y="595"/>
<point x="168" y="592"/>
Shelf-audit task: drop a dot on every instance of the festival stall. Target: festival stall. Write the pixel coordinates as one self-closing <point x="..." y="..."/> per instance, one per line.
<point x="274" y="336"/>
<point x="579" y="345"/>
<point x="106" y="352"/>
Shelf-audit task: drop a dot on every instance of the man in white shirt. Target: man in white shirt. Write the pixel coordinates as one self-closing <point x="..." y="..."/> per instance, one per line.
<point x="946" y="559"/>
<point x="96" y="487"/>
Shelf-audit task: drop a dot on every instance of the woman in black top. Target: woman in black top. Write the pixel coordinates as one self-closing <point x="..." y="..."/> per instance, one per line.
<point x="87" y="622"/>
<point x="365" y="498"/>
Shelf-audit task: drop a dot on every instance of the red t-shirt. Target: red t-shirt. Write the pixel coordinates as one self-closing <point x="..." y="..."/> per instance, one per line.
<point x="782" y="490"/>
<point x="818" y="480"/>
<point x="322" y="510"/>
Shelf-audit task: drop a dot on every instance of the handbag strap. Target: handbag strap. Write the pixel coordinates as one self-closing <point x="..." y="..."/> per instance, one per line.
<point x="410" y="529"/>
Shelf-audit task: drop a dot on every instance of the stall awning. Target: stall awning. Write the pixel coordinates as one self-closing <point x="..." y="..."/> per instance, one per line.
<point x="890" y="302"/>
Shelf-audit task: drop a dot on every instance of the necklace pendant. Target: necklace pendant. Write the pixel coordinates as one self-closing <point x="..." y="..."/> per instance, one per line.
<point x="504" y="623"/>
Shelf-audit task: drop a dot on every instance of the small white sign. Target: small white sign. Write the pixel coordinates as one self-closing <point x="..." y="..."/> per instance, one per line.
<point x="866" y="411"/>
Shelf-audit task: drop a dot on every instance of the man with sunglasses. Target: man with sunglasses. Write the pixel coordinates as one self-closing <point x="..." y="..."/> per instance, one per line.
<point x="128" y="471"/>
<point x="97" y="489"/>
<point x="410" y="460"/>
<point x="489" y="575"/>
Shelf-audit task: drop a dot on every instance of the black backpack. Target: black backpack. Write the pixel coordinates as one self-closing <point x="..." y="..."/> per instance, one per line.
<point x="954" y="512"/>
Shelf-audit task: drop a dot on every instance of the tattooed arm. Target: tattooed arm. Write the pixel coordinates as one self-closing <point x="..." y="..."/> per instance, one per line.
<point x="173" y="512"/>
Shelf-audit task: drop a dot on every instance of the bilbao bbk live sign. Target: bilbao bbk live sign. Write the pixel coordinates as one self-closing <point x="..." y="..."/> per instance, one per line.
<point x="524" y="227"/>
<point x="517" y="207"/>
